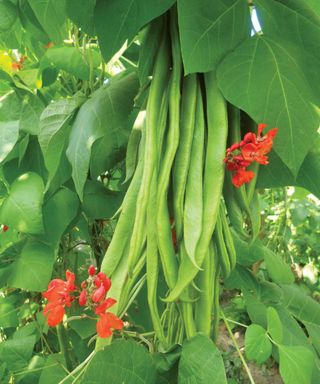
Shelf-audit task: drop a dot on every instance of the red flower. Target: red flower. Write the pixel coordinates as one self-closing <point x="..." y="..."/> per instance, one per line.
<point x="107" y="323"/>
<point x="108" y="303"/>
<point x="98" y="294"/>
<point x="5" y="228"/>
<point x="83" y="298"/>
<point x="242" y="176"/>
<point x="91" y="270"/>
<point x="55" y="313"/>
<point x="58" y="296"/>
<point x="252" y="148"/>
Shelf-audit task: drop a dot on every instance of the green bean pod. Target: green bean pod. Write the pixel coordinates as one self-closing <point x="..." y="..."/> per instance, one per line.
<point x="228" y="239"/>
<point x="224" y="259"/>
<point x="166" y="248"/>
<point x="203" y="307"/>
<point x="157" y="89"/>
<point x="123" y="231"/>
<point x="216" y="297"/>
<point x="217" y="123"/>
<point x="152" y="263"/>
<point x="193" y="206"/>
<point x="182" y="160"/>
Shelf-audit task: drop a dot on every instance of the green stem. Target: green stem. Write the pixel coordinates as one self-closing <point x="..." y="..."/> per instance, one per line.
<point x="237" y="348"/>
<point x="63" y="344"/>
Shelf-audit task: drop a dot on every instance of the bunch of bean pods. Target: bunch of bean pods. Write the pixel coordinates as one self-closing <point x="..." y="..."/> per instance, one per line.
<point x="175" y="162"/>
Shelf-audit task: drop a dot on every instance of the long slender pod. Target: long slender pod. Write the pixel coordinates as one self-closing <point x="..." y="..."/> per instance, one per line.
<point x="223" y="255"/>
<point x="182" y="160"/>
<point x="217" y="123"/>
<point x="158" y="85"/>
<point x="166" y="248"/>
<point x="193" y="206"/>
<point x="153" y="264"/>
<point x="121" y="236"/>
<point x="203" y="307"/>
<point x="216" y="296"/>
<point x="228" y="239"/>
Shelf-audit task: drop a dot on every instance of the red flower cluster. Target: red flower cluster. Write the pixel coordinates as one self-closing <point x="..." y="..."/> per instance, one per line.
<point x="252" y="148"/>
<point x="58" y="296"/>
<point x="93" y="295"/>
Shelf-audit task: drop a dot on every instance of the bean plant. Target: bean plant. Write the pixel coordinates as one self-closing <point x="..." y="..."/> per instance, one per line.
<point x="142" y="145"/>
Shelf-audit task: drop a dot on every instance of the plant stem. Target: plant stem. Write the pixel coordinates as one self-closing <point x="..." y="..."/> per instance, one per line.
<point x="63" y="344"/>
<point x="237" y="348"/>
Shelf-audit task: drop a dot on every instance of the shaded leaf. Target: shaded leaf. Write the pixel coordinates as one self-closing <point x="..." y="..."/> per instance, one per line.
<point x="105" y="113"/>
<point x="52" y="17"/>
<point x="99" y="202"/>
<point x="8" y="15"/>
<point x="73" y="60"/>
<point x="8" y="314"/>
<point x="123" y="20"/>
<point x="54" y="130"/>
<point x="262" y="78"/>
<point x="276" y="174"/>
<point x="81" y="13"/>
<point x="209" y="30"/>
<point x="17" y="352"/>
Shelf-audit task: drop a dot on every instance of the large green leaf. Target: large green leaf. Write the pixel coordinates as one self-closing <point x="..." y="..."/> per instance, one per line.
<point x="33" y="268"/>
<point x="8" y="14"/>
<point x="51" y="15"/>
<point x="276" y="174"/>
<point x="81" y="12"/>
<point x="105" y="113"/>
<point x="17" y="352"/>
<point x="9" y="133"/>
<point x="308" y="8"/>
<point x="262" y="78"/>
<point x="299" y="29"/>
<point x="123" y="361"/>
<point x="201" y="362"/>
<point x="296" y="364"/>
<point x="73" y="60"/>
<point x="119" y="20"/>
<point x="54" y="130"/>
<point x="8" y="314"/>
<point x="210" y="29"/>
<point x="257" y="345"/>
<point x="22" y="209"/>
